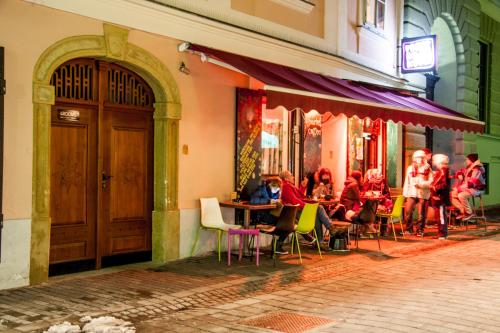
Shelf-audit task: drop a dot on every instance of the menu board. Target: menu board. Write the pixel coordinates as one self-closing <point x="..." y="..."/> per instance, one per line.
<point x="248" y="141"/>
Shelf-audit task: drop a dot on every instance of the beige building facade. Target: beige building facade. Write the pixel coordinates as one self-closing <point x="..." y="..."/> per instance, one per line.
<point x="194" y="110"/>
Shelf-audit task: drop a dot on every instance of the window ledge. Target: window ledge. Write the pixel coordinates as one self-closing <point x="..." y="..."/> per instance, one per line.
<point x="302" y="6"/>
<point x="374" y="30"/>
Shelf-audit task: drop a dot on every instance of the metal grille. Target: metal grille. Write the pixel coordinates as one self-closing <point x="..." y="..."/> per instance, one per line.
<point x="75" y="81"/>
<point x="287" y="322"/>
<point x="126" y="88"/>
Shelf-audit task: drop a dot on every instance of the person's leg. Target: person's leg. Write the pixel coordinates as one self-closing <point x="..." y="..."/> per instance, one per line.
<point x="409" y="206"/>
<point x="321" y="219"/>
<point x="422" y="214"/>
<point x="383" y="227"/>
<point x="443" y="224"/>
<point x="464" y="197"/>
<point x="279" y="244"/>
<point x="456" y="202"/>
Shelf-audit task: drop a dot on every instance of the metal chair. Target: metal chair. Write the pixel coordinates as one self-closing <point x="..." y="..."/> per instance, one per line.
<point x="211" y="219"/>
<point x="305" y="226"/>
<point x="478" y="212"/>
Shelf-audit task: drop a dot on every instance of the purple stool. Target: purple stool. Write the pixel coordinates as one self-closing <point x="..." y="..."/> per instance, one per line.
<point x="241" y="232"/>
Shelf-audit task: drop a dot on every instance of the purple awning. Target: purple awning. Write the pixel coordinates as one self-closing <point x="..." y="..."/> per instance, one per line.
<point x="291" y="88"/>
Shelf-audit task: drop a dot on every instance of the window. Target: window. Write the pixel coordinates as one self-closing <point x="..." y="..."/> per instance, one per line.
<point x="483" y="86"/>
<point x="375" y="13"/>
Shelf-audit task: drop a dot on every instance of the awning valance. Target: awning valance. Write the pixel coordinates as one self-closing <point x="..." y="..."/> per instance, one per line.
<point x="291" y="88"/>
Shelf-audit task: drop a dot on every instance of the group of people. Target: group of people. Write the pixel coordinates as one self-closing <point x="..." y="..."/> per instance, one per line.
<point x="423" y="185"/>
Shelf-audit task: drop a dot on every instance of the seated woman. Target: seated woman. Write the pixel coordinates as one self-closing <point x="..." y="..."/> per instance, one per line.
<point x="351" y="194"/>
<point x="376" y="182"/>
<point x="324" y="188"/>
<point x="351" y="199"/>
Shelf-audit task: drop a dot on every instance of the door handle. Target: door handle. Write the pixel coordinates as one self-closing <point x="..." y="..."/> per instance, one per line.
<point x="105" y="179"/>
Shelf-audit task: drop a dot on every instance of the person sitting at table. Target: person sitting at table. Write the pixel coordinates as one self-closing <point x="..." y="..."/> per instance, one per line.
<point x="356" y="212"/>
<point x="351" y="194"/>
<point x="267" y="192"/>
<point x="291" y="195"/>
<point x="375" y="182"/>
<point x="324" y="188"/>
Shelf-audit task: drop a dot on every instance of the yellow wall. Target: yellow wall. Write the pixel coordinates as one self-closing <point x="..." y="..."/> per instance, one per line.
<point x="378" y="48"/>
<point x="207" y="97"/>
<point x="311" y="23"/>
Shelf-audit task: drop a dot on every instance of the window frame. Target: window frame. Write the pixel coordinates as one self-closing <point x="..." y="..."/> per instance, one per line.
<point x="374" y="24"/>
<point x="484" y="84"/>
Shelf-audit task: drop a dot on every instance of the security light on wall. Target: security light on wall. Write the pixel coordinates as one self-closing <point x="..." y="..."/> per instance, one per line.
<point x="183" y="47"/>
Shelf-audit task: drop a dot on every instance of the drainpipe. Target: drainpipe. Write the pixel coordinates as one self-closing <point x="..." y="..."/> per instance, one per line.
<point x="430" y="83"/>
<point x="2" y="93"/>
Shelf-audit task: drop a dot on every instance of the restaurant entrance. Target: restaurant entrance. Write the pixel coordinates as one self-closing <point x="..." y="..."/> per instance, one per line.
<point x="101" y="157"/>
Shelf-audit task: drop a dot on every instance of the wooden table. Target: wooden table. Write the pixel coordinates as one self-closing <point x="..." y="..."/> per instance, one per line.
<point x="247" y="208"/>
<point x="322" y="202"/>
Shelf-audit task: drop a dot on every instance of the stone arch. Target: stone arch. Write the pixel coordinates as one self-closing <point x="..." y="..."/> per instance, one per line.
<point x="463" y="19"/>
<point x="112" y="46"/>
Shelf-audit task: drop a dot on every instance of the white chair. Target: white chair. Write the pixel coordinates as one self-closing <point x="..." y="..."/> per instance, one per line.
<point x="211" y="219"/>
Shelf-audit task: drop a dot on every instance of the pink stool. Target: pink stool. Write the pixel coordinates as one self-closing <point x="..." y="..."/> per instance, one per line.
<point x="241" y="232"/>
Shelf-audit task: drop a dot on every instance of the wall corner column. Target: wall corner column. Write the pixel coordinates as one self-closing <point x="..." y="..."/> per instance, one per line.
<point x="43" y="99"/>
<point x="166" y="215"/>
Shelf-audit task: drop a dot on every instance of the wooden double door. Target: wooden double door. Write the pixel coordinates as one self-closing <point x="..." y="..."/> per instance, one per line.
<point x="101" y="162"/>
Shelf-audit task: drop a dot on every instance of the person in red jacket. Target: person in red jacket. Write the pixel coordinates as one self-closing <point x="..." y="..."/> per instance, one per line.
<point x="473" y="184"/>
<point x="291" y="195"/>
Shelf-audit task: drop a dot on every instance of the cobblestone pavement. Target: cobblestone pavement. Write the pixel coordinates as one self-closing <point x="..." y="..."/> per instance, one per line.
<point x="417" y="285"/>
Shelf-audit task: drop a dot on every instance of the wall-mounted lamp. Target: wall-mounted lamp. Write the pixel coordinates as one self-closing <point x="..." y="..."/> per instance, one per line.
<point x="182" y="47"/>
<point x="184" y="69"/>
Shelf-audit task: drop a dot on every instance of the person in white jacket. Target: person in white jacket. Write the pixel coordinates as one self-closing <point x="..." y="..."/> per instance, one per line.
<point x="417" y="190"/>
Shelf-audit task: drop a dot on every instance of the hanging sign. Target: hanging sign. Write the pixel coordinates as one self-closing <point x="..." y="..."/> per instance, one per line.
<point x="418" y="54"/>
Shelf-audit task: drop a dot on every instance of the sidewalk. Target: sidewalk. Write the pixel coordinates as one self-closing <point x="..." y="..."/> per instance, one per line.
<point x="167" y="298"/>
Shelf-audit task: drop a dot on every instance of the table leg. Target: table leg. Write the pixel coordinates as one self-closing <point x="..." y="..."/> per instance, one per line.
<point x="246" y="225"/>
<point x="229" y="249"/>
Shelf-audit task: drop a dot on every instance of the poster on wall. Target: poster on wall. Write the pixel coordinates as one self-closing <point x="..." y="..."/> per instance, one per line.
<point x="355" y="145"/>
<point x="312" y="142"/>
<point x="248" y="141"/>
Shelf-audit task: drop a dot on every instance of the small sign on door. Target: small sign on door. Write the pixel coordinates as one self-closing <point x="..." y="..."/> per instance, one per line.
<point x="68" y="115"/>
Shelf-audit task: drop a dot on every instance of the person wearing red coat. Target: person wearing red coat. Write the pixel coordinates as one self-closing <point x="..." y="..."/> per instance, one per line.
<point x="291" y="195"/>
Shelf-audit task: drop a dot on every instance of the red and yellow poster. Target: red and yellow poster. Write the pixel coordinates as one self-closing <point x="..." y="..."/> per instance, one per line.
<point x="248" y="147"/>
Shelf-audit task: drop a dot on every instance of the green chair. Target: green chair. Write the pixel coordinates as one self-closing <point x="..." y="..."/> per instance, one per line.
<point x="305" y="226"/>
<point x="211" y="219"/>
<point x="396" y="214"/>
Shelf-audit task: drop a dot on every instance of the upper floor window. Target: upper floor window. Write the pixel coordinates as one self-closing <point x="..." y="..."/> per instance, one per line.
<point x="483" y="84"/>
<point x="375" y="13"/>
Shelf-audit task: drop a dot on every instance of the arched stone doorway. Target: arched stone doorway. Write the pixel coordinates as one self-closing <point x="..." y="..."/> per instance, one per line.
<point x="445" y="91"/>
<point x="113" y="46"/>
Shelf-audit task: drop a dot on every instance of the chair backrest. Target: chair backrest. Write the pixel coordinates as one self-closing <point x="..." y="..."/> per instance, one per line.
<point x="211" y="216"/>
<point x="397" y="209"/>
<point x="307" y="218"/>
<point x="286" y="220"/>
